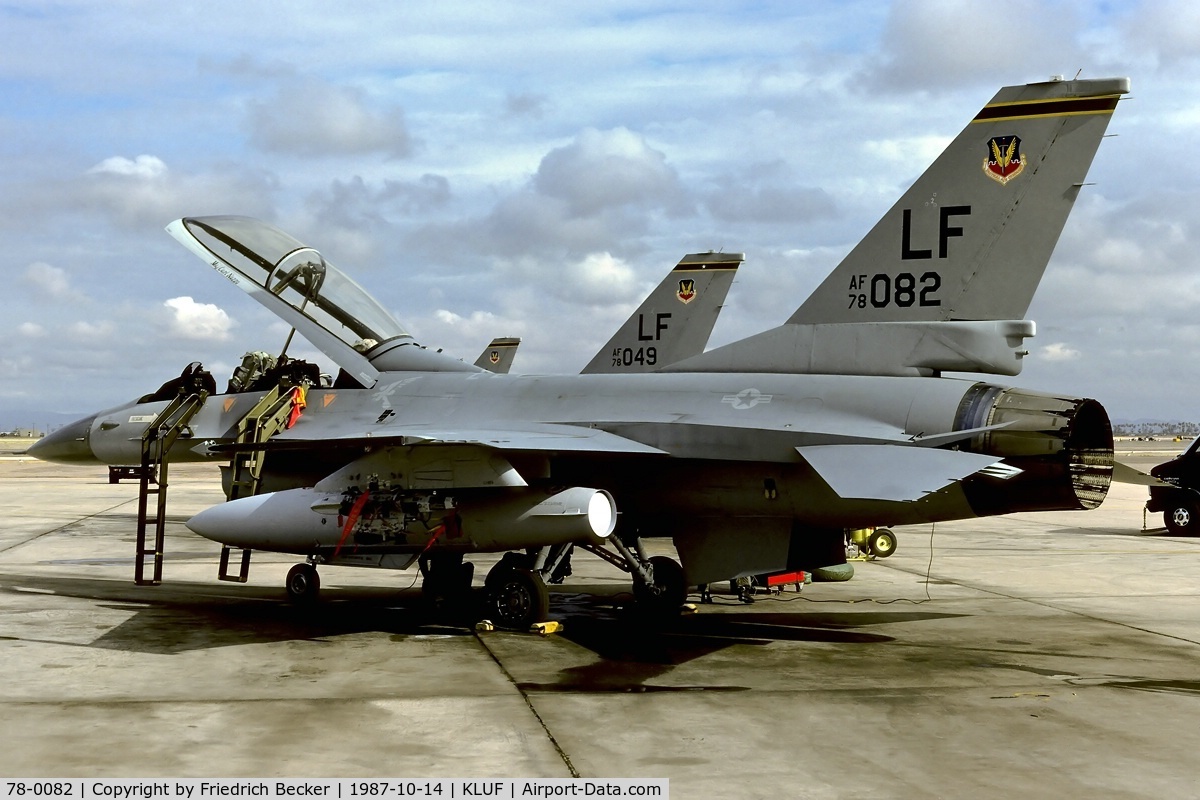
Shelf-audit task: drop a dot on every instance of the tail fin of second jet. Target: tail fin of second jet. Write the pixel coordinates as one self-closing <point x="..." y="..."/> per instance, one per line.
<point x="675" y="320"/>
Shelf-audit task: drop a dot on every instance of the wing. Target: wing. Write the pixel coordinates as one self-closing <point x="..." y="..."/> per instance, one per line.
<point x="547" y="437"/>
<point x="432" y="458"/>
<point x="544" y="437"/>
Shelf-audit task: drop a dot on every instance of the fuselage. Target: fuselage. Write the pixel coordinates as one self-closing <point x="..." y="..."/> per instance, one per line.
<point x="760" y="417"/>
<point x="687" y="446"/>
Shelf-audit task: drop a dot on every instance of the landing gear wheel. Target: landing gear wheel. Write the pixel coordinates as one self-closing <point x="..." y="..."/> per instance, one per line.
<point x="669" y="590"/>
<point x="881" y="543"/>
<point x="517" y="598"/>
<point x="1181" y="519"/>
<point x="504" y="567"/>
<point x="303" y="583"/>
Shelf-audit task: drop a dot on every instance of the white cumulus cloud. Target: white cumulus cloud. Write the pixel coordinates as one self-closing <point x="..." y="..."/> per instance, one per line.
<point x="1058" y="351"/>
<point x="90" y="332"/>
<point x="315" y="118"/>
<point x="604" y="169"/>
<point x="204" y="321"/>
<point x="599" y="278"/>
<point x="147" y="167"/>
<point x="48" y="280"/>
<point x="477" y="318"/>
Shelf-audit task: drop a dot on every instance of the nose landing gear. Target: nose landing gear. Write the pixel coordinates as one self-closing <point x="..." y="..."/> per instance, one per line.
<point x="303" y="584"/>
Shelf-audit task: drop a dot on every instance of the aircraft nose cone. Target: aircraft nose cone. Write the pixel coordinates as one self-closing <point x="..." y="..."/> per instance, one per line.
<point x="68" y="444"/>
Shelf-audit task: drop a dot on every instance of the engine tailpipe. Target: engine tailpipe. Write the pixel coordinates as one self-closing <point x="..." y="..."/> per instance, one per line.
<point x="1062" y="447"/>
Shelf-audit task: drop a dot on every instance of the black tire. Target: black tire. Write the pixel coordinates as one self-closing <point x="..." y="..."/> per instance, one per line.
<point x="504" y="567"/>
<point x="669" y="591"/>
<point x="517" y="598"/>
<point x="303" y="584"/>
<point x="1181" y="519"/>
<point x="882" y="543"/>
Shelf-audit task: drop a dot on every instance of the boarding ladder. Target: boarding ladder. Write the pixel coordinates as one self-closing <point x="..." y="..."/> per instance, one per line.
<point x="157" y="440"/>
<point x="268" y="416"/>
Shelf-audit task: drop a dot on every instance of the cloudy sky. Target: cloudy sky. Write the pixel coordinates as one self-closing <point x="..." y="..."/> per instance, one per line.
<point x="532" y="169"/>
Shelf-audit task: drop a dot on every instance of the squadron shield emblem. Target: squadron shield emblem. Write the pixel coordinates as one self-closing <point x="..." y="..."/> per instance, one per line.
<point x="494" y="356"/>
<point x="687" y="290"/>
<point x="1005" y="160"/>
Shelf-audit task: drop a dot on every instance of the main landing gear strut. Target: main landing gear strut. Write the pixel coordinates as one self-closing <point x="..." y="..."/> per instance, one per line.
<point x="515" y="588"/>
<point x="515" y="594"/>
<point x="659" y="586"/>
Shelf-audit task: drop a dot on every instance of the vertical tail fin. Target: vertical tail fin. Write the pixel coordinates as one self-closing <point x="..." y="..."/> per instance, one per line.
<point x="675" y="320"/>
<point x="498" y="356"/>
<point x="971" y="238"/>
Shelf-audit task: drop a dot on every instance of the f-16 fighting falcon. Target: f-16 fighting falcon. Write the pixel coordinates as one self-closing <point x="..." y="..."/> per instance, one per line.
<point x="754" y="457"/>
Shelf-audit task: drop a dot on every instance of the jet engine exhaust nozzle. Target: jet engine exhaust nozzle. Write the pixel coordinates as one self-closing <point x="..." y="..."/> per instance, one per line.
<point x="1062" y="447"/>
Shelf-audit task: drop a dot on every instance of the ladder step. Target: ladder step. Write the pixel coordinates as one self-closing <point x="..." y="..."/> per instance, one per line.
<point x="156" y="444"/>
<point x="244" y="571"/>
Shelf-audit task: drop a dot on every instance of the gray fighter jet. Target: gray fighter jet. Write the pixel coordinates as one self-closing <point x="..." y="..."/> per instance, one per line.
<point x="754" y="457"/>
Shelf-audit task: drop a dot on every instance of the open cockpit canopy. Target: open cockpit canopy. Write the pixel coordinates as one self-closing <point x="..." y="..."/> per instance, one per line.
<point x="320" y="301"/>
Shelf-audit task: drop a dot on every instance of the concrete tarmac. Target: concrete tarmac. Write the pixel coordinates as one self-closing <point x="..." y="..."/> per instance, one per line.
<point x="1033" y="655"/>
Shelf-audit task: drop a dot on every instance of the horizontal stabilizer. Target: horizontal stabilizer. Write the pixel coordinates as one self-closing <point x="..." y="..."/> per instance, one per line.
<point x="890" y="472"/>
<point x="1123" y="473"/>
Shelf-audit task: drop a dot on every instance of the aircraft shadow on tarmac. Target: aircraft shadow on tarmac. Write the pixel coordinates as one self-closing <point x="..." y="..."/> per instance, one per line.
<point x="177" y="617"/>
<point x="632" y="654"/>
